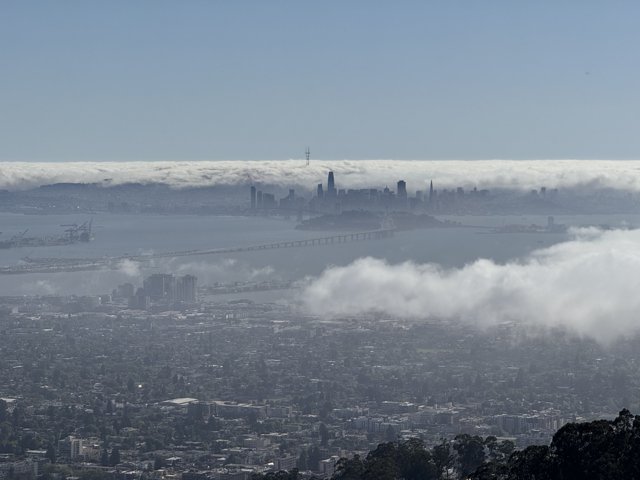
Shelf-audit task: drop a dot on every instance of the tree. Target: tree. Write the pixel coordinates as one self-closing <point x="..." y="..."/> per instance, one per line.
<point x="470" y="450"/>
<point x="349" y="468"/>
<point x="577" y="445"/>
<point x="598" y="449"/>
<point x="292" y="475"/>
<point x="443" y="458"/>
<point x="498" y="451"/>
<point x="492" y="471"/>
<point x="415" y="462"/>
<point x="18" y="416"/>
<point x="158" y="462"/>
<point x="506" y="448"/>
<point x="6" y="433"/>
<point x="104" y="458"/>
<point x="51" y="453"/>
<point x="114" y="458"/>
<point x="382" y="463"/>
<point x="534" y="462"/>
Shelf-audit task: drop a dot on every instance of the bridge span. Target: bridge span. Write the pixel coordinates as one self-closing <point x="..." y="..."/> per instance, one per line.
<point x="61" y="265"/>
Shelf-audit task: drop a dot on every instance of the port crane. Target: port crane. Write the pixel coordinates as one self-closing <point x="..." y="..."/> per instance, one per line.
<point x="78" y="233"/>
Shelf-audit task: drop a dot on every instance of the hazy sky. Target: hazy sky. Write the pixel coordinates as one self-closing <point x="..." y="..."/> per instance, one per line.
<point x="186" y="80"/>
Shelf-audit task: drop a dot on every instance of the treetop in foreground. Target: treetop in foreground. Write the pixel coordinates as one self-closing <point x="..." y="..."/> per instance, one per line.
<point x="601" y="449"/>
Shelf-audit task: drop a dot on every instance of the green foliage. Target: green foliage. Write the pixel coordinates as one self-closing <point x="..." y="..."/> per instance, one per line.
<point x="599" y="449"/>
<point x="470" y="451"/>
<point x="381" y="463"/>
<point x="104" y="458"/>
<point x="350" y="468"/>
<point x="114" y="457"/>
<point x="408" y="460"/>
<point x="443" y="458"/>
<point x="415" y="461"/>
<point x="292" y="475"/>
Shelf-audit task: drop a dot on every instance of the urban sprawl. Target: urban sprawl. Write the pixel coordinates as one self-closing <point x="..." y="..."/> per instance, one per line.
<point x="166" y="380"/>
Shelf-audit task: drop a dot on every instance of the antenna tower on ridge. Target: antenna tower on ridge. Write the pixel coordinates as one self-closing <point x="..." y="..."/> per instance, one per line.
<point x="307" y="153"/>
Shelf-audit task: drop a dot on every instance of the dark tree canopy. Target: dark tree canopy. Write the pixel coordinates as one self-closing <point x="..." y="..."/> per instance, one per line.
<point x="601" y="449"/>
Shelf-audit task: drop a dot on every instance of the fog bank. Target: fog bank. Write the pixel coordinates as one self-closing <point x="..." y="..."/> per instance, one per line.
<point x="623" y="175"/>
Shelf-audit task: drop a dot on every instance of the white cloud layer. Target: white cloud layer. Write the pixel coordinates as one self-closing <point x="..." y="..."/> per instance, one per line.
<point x="208" y="270"/>
<point x="528" y="174"/>
<point x="224" y="270"/>
<point x="589" y="285"/>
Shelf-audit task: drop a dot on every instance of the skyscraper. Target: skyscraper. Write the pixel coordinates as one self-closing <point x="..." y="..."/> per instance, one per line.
<point x="253" y="197"/>
<point x="320" y="191"/>
<point x="331" y="186"/>
<point x="160" y="286"/>
<point x="402" y="189"/>
<point x="187" y="289"/>
<point x="140" y="300"/>
<point x="70" y="448"/>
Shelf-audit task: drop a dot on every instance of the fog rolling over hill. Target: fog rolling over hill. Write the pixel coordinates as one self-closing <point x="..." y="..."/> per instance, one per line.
<point x="500" y="174"/>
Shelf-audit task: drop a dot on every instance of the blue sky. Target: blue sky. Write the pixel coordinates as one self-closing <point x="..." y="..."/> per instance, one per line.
<point x="189" y="80"/>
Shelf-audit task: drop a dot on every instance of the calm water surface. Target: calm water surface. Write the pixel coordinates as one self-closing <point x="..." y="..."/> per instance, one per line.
<point x="131" y="234"/>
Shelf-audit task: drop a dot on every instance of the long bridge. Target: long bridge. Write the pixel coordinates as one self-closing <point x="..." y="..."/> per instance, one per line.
<point x="60" y="265"/>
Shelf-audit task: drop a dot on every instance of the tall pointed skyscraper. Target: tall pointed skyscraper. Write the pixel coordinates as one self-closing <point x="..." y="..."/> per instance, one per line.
<point x="331" y="186"/>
